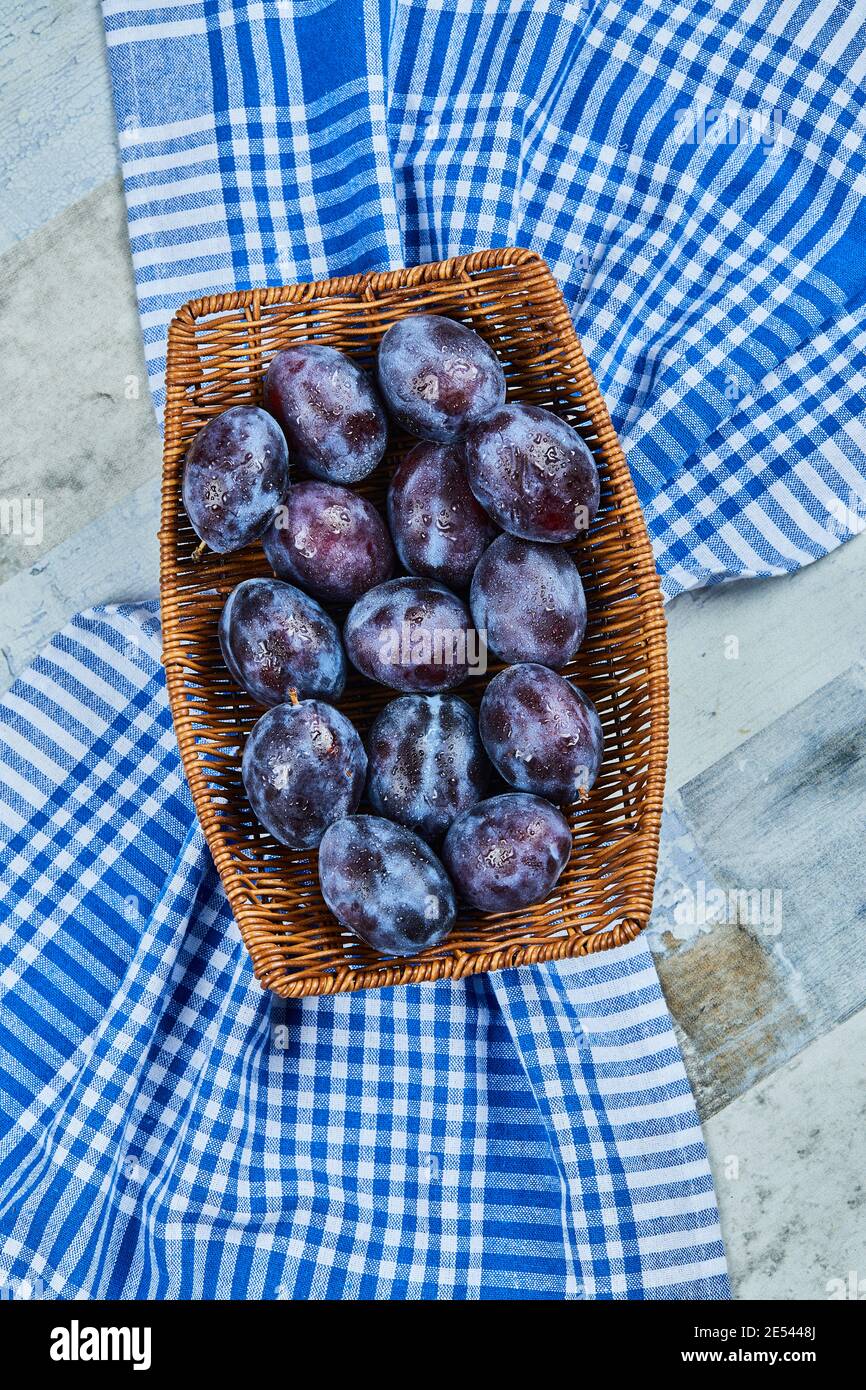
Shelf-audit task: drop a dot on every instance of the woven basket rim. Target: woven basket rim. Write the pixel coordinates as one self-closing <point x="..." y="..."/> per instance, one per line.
<point x="405" y="277"/>
<point x="458" y="963"/>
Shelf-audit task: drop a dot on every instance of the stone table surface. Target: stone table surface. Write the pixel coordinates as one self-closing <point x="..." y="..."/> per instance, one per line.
<point x="760" y="914"/>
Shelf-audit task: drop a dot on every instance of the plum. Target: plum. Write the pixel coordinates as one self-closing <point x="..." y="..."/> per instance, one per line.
<point x="329" y="540"/>
<point x="413" y="635"/>
<point x="529" y="600"/>
<point x="386" y="885"/>
<point x="426" y="762"/>
<point x="275" y="639"/>
<point x="541" y="733"/>
<point x="507" y="853"/>
<point x="235" y="475"/>
<point x="438" y="377"/>
<point x="303" y="768"/>
<point x="330" y="412"/>
<point x="532" y="473"/>
<point x="439" y="529"/>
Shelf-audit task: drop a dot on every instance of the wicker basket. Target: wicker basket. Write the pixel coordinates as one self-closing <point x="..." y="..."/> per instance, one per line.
<point x="218" y="351"/>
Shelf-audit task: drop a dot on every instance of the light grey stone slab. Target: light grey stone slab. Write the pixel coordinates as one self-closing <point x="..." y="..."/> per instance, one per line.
<point x="777" y="958"/>
<point x="789" y="1160"/>
<point x="79" y="430"/>
<point x="113" y="560"/>
<point x="791" y="635"/>
<point x="57" y="135"/>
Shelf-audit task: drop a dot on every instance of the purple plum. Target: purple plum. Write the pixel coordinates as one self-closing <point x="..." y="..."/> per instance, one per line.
<point x="303" y="768"/>
<point x="235" y="475"/>
<point x="507" y="853"/>
<point x="386" y="885"/>
<point x="331" y="541"/>
<point x="329" y="410"/>
<point x="438" y="377"/>
<point x="533" y="474"/>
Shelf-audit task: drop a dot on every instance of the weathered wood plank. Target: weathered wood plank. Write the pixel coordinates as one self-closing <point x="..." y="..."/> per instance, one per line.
<point x="783" y="815"/>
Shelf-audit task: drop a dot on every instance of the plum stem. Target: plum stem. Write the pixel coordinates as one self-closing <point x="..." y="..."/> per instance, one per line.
<point x="293" y="695"/>
<point x="199" y="551"/>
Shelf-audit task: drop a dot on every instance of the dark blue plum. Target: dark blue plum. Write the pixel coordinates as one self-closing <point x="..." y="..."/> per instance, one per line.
<point x="413" y="635"/>
<point x="275" y="639"/>
<point x="541" y="733"/>
<point x="439" y="529"/>
<point x="303" y="768"/>
<point x="329" y="410"/>
<point x="438" y="377"/>
<point x="331" y="541"/>
<point x="386" y="885"/>
<point x="426" y="762"/>
<point x="507" y="853"/>
<point x="235" y="475"/>
<point x="532" y="473"/>
<point x="529" y="599"/>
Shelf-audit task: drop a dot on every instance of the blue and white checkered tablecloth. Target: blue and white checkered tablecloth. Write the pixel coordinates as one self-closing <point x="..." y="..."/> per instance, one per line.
<point x="694" y="174"/>
<point x="171" y="1131"/>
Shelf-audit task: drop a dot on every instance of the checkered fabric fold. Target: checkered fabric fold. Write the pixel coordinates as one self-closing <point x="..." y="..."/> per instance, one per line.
<point x="693" y="173"/>
<point x="168" y="1130"/>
